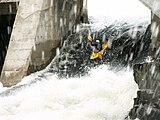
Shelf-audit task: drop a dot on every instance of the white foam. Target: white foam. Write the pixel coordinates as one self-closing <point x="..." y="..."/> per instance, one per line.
<point x="104" y="95"/>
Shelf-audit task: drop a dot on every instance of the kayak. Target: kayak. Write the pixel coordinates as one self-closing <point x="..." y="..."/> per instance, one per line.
<point x="100" y="53"/>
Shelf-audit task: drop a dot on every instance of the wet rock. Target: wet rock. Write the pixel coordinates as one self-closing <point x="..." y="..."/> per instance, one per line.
<point x="147" y="76"/>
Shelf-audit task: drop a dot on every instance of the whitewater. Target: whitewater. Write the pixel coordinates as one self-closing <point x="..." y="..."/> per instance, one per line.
<point x="103" y="94"/>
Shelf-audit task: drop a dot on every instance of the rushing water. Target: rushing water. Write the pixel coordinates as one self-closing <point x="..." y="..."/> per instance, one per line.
<point x="102" y="94"/>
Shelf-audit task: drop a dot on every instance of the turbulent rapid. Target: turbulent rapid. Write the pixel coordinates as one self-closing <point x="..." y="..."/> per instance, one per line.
<point x="73" y="87"/>
<point x="89" y="92"/>
<point x="104" y="95"/>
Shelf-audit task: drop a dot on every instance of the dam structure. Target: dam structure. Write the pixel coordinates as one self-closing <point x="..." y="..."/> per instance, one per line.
<point x="38" y="28"/>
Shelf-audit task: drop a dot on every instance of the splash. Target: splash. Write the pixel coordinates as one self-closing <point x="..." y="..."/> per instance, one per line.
<point x="103" y="95"/>
<point x="105" y="12"/>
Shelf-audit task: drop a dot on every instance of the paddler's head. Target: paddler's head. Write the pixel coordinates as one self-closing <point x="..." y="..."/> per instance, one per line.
<point x="97" y="41"/>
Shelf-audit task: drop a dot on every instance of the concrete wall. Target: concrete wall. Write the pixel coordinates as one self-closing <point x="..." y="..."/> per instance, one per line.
<point x="39" y="26"/>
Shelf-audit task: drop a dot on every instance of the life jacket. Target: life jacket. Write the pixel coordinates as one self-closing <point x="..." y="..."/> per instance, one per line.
<point x="100" y="53"/>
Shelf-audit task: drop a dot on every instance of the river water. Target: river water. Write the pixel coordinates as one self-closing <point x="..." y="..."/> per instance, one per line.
<point x="103" y="94"/>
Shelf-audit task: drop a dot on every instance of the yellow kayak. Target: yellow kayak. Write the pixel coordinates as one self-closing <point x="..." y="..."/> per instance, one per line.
<point x="99" y="54"/>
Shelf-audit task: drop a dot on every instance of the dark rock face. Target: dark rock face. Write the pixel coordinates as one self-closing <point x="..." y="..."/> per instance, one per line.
<point x="145" y="107"/>
<point x="147" y="76"/>
<point x="147" y="104"/>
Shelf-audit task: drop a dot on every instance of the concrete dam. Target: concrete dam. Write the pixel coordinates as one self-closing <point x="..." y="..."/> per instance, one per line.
<point x="39" y="28"/>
